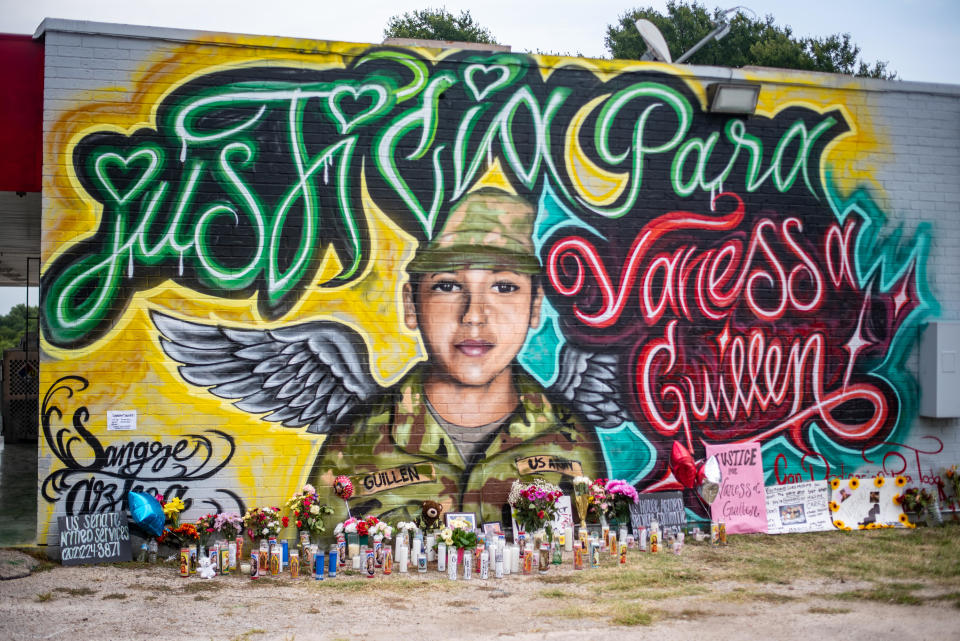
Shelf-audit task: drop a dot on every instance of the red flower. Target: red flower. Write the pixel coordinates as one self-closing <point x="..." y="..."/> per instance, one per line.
<point x="285" y="520"/>
<point x="295" y="513"/>
<point x="362" y="528"/>
<point x="540" y="514"/>
<point x="299" y="524"/>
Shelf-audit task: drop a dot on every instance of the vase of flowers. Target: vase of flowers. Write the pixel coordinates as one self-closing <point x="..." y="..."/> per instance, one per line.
<point x="581" y="497"/>
<point x="951" y="480"/>
<point x="309" y="512"/>
<point x="920" y="501"/>
<point x="460" y="535"/>
<point x="620" y="496"/>
<point x="264" y="522"/>
<point x="535" y="505"/>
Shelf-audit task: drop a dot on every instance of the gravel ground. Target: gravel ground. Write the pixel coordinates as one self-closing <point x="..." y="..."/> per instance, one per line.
<point x="151" y="603"/>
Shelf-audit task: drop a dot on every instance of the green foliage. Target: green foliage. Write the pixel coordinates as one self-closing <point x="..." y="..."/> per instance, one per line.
<point x="13" y="324"/>
<point x="437" y="24"/>
<point x="751" y="41"/>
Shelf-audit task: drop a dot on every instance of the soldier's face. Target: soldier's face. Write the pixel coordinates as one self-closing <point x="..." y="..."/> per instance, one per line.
<point x="473" y="321"/>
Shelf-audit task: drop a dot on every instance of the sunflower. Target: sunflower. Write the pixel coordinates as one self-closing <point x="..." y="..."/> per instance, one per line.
<point x="903" y="519"/>
<point x="834" y="506"/>
<point x="839" y="525"/>
<point x="835" y="483"/>
<point x="879" y="481"/>
<point x="898" y="499"/>
<point x="901" y="481"/>
<point x="854" y="482"/>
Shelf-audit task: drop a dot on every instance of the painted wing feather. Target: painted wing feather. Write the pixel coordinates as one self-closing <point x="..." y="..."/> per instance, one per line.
<point x="311" y="374"/>
<point x="588" y="382"/>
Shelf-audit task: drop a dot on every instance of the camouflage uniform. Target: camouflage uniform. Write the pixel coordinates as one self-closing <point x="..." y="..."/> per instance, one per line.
<point x="399" y="456"/>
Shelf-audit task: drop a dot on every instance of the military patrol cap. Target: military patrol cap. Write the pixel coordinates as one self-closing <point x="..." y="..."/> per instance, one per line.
<point x="489" y="228"/>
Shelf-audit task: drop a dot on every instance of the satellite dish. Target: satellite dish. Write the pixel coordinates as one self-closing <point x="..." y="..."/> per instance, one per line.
<point x="656" y="46"/>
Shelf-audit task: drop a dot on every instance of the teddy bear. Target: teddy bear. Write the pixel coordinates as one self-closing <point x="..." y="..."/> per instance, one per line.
<point x="430" y="515"/>
<point x="206" y="571"/>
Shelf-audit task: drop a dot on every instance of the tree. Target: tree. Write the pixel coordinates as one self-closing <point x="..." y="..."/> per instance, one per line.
<point x="437" y="24"/>
<point x="751" y="41"/>
<point x="12" y="325"/>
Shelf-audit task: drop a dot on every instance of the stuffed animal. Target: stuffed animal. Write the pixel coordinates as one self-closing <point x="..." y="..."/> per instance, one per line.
<point x="430" y="515"/>
<point x="206" y="570"/>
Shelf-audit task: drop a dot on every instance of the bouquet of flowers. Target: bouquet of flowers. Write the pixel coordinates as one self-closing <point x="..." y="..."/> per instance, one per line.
<point x="916" y="500"/>
<point x="307" y="509"/>
<point x="382" y="529"/>
<point x="206" y="525"/>
<point x="620" y="495"/>
<point x="364" y="526"/>
<point x="535" y="505"/>
<point x="459" y="535"/>
<point x="600" y="506"/>
<point x="405" y="526"/>
<point x="264" y="521"/>
<point x="952" y="476"/>
<point x="172" y="509"/>
<point x="183" y="534"/>
<point x="228" y="524"/>
<point x="346" y="527"/>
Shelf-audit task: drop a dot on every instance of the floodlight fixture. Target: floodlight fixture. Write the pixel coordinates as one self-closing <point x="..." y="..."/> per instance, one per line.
<point x="733" y="97"/>
<point x="657" y="48"/>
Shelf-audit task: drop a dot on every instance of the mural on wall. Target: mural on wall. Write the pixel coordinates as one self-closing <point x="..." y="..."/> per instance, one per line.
<point x="437" y="274"/>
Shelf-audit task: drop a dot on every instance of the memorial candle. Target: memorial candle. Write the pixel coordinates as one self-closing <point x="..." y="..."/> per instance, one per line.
<point x="568" y="538"/>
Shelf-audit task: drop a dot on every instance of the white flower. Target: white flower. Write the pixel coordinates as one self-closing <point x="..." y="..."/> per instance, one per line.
<point x="314" y="509"/>
<point x="351" y="528"/>
<point x="309" y="489"/>
<point x="266" y="530"/>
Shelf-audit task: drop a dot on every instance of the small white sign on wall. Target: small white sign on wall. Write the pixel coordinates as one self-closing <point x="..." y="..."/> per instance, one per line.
<point x="121" y="420"/>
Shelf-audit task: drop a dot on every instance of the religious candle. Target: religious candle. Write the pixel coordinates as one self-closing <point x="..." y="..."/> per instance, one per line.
<point x="622" y="537"/>
<point x="492" y="556"/>
<point x="402" y="558"/>
<point x="568" y="538"/>
<point x="614" y="548"/>
<point x="452" y="563"/>
<point x="357" y="561"/>
<point x="467" y="564"/>
<point x="441" y="557"/>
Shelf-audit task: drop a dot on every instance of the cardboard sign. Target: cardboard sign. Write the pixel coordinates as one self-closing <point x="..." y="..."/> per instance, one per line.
<point x="741" y="503"/>
<point x="666" y="508"/>
<point x="564" y="514"/>
<point x="94" y="538"/>
<point x="798" y="507"/>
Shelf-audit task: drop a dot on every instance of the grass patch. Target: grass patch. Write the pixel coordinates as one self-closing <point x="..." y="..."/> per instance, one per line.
<point x="249" y="634"/>
<point x="555" y="594"/>
<point x="202" y="586"/>
<point x="76" y="591"/>
<point x="458" y="603"/>
<point x="43" y="597"/>
<point x="817" y="609"/>
<point x="114" y="595"/>
<point x="630" y="615"/>
<point x="896" y="593"/>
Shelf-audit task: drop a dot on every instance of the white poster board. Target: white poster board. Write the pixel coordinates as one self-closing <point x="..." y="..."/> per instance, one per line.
<point x="121" y="420"/>
<point x="859" y="504"/>
<point x="798" y="507"/>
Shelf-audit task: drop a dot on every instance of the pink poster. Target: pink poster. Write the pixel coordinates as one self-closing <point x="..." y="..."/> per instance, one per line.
<point x="741" y="503"/>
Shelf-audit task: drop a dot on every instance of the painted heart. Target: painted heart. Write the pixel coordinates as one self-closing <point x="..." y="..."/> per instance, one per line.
<point x="112" y="162"/>
<point x="379" y="96"/>
<point x="485" y="71"/>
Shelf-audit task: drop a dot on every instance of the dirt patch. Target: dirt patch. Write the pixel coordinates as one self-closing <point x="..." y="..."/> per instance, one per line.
<point x="15" y="564"/>
<point x="731" y="593"/>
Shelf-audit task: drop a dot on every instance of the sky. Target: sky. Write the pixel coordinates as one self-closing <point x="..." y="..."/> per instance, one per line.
<point x="917" y="37"/>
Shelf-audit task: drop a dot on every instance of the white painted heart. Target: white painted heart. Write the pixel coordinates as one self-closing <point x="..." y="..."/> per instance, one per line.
<point x="153" y="166"/>
<point x="333" y="101"/>
<point x="493" y="86"/>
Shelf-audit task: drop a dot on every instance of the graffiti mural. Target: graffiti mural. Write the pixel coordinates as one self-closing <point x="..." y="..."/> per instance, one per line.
<point x="437" y="273"/>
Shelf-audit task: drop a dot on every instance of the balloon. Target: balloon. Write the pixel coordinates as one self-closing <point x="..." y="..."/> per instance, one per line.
<point x="708" y="480"/>
<point x="682" y="465"/>
<point x="343" y="486"/>
<point x="146" y="511"/>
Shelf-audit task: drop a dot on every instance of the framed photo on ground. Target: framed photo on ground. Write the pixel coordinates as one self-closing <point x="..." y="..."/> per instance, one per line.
<point x="471" y="517"/>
